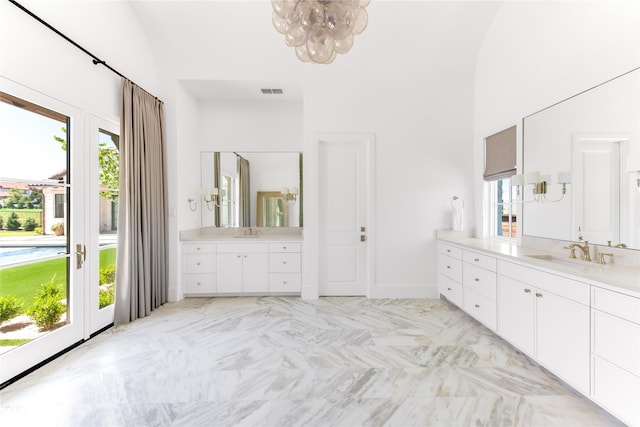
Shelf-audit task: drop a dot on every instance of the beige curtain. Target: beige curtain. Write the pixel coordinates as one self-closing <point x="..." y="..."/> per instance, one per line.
<point x="141" y="272"/>
<point x="244" y="204"/>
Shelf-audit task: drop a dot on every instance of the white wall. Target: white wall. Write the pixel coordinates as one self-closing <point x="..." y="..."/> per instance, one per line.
<point x="409" y="80"/>
<point x="538" y="53"/>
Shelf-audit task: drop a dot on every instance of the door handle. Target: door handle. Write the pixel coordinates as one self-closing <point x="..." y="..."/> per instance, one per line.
<point x="81" y="255"/>
<point x="363" y="238"/>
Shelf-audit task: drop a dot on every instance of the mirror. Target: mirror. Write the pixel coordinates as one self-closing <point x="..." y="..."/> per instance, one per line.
<point x="591" y="140"/>
<point x="245" y="189"/>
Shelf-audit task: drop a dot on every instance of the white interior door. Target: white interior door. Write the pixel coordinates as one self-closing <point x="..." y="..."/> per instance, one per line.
<point x="344" y="214"/>
<point x="596" y="169"/>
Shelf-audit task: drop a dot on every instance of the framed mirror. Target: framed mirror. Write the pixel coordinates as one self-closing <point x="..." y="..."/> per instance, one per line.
<point x="251" y="189"/>
<point x="590" y="142"/>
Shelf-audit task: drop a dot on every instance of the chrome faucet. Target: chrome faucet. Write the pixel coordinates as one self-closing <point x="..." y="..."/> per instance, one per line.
<point x="584" y="248"/>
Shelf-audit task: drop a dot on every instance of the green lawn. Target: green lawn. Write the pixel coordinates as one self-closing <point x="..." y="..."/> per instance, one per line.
<point x="23" y="281"/>
<point x="13" y="342"/>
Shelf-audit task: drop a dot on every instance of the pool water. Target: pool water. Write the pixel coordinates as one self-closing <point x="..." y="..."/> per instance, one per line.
<point x="14" y="255"/>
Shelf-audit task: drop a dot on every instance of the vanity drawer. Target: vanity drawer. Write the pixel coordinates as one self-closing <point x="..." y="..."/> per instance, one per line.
<point x="284" y="247"/>
<point x="284" y="282"/>
<point x="284" y="262"/>
<point x="480" y="260"/>
<point x="452" y="290"/>
<point x="199" y="284"/>
<point x="616" y="340"/>
<point x="198" y="248"/>
<point x="199" y="263"/>
<point x="570" y="289"/>
<point x="480" y="307"/>
<point x="479" y="280"/>
<point x="449" y="250"/>
<point x="616" y="390"/>
<point x="450" y="267"/>
<point x="620" y="305"/>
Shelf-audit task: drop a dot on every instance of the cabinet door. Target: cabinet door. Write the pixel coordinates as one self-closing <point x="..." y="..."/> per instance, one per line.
<point x="255" y="268"/>
<point x="562" y="338"/>
<point x="230" y="273"/>
<point x="516" y="313"/>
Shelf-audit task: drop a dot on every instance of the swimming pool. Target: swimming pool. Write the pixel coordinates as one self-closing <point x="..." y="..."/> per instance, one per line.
<point x="12" y="255"/>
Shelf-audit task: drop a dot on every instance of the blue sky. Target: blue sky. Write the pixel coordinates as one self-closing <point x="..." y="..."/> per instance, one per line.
<point x="27" y="148"/>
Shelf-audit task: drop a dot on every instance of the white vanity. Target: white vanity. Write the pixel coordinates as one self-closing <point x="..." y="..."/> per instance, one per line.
<point x="228" y="262"/>
<point x="579" y="320"/>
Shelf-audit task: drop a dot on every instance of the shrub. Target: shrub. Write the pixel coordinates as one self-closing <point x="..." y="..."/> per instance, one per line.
<point x="106" y="296"/>
<point x="13" y="223"/>
<point x="30" y="224"/>
<point x="108" y="274"/>
<point x="1" y="222"/>
<point x="47" y="305"/>
<point x="9" y="307"/>
<point x="38" y="230"/>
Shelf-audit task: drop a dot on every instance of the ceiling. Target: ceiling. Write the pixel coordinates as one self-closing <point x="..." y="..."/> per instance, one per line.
<point x="228" y="50"/>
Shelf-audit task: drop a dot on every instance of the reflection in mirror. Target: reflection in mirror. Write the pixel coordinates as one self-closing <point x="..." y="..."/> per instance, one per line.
<point x="594" y="135"/>
<point x="242" y="189"/>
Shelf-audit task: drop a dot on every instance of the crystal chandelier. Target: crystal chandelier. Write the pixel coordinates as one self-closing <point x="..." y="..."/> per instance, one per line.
<point x="319" y="29"/>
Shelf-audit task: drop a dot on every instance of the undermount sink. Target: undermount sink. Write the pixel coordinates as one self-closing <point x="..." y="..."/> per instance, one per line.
<point x="553" y="258"/>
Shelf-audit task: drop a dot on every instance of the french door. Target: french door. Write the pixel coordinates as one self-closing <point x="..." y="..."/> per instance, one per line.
<point x="60" y="167"/>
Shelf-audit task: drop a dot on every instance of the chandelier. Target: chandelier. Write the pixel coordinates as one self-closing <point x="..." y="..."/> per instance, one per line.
<point x="319" y="29"/>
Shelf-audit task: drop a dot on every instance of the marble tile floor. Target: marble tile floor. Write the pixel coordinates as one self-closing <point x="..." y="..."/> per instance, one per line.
<point x="284" y="361"/>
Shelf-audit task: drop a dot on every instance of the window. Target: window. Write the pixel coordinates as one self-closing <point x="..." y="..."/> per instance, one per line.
<point x="59" y="206"/>
<point x="504" y="215"/>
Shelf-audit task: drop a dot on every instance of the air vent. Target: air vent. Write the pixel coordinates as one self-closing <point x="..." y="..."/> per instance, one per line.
<point x="272" y="91"/>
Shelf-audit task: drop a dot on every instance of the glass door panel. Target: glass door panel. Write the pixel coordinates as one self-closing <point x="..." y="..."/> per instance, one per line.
<point x="41" y="173"/>
<point x="103" y="222"/>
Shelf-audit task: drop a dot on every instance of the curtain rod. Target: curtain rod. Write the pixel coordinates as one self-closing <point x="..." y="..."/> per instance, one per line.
<point x="94" y="58"/>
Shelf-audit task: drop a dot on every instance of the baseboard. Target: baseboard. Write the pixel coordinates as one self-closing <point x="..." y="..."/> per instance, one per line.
<point x="404" y="291"/>
<point x="174" y="294"/>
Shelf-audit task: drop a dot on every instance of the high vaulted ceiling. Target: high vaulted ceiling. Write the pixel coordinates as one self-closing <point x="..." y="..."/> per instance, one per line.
<point x="202" y="41"/>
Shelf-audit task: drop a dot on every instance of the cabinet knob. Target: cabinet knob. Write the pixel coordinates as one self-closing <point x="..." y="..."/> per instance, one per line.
<point x="448" y="266"/>
<point x="476" y="279"/>
<point x="197" y="263"/>
<point x="526" y="291"/>
<point x="538" y="294"/>
<point x="238" y="256"/>
<point x="198" y="284"/>
<point x="476" y="259"/>
<point x="198" y="248"/>
<point x="245" y="256"/>
<point x="284" y="247"/>
<point x="448" y="250"/>
<point x="448" y="289"/>
<point x="284" y="283"/>
<point x="477" y="305"/>
<point x="284" y="262"/>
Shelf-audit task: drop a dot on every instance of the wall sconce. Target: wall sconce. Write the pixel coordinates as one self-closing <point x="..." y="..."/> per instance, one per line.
<point x="210" y="197"/>
<point x="290" y="194"/>
<point x="193" y="205"/>
<point x="633" y="168"/>
<point x="539" y="185"/>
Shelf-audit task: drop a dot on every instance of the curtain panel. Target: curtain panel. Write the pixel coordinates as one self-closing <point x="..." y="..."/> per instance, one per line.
<point x="141" y="272"/>
<point x="245" y="192"/>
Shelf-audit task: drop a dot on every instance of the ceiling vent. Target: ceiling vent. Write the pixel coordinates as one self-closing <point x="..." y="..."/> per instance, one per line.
<point x="272" y="91"/>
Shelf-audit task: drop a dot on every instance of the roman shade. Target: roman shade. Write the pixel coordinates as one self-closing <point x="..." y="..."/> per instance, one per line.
<point x="500" y="155"/>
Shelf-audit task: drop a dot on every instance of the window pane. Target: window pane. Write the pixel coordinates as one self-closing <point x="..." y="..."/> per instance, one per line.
<point x="108" y="184"/>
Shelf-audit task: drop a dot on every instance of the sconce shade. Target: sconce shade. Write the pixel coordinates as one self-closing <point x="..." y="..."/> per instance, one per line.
<point x="284" y="191"/>
<point x="517" y="180"/>
<point x="532" y="178"/>
<point x="214" y="191"/>
<point x="564" y="177"/>
<point x="294" y="190"/>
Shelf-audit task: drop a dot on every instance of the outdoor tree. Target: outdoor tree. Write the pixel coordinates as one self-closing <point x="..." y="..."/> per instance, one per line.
<point x="13" y="223"/>
<point x="17" y="199"/>
<point x="109" y="162"/>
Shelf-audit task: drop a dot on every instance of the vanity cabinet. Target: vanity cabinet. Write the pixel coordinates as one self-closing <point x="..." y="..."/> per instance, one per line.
<point x="243" y="268"/>
<point x="199" y="262"/>
<point x="547" y="317"/>
<point x="285" y="267"/>
<point x="615" y="353"/>
<point x="450" y="273"/>
<point x="232" y="267"/>
<point x="479" y="287"/>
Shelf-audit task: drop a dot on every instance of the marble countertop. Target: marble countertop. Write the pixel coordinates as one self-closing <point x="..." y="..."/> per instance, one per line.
<point x="237" y="235"/>
<point x="617" y="278"/>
